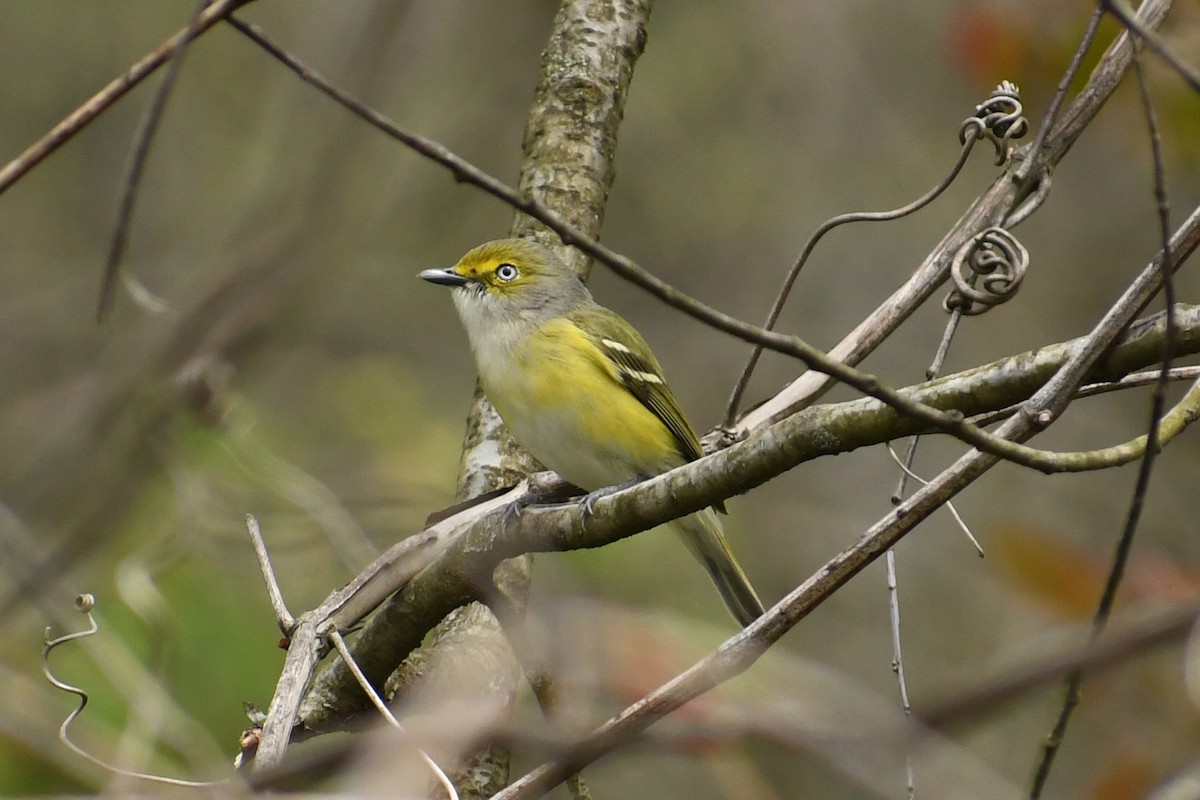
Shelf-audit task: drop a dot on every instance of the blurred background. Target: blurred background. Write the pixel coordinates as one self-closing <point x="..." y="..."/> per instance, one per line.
<point x="283" y="237"/>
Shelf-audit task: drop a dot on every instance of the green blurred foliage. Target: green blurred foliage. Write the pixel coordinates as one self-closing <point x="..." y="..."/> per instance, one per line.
<point x="285" y="237"/>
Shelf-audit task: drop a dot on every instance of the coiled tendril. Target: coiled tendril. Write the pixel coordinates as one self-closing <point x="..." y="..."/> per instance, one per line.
<point x="999" y="119"/>
<point x="987" y="271"/>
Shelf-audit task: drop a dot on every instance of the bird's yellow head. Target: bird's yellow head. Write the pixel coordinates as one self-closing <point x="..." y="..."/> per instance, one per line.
<point x="509" y="284"/>
<point x="506" y="268"/>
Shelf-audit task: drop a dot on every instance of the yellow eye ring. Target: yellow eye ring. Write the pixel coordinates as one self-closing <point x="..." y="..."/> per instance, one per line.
<point x="507" y="272"/>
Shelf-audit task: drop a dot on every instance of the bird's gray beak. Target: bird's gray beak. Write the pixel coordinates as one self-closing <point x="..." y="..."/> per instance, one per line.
<point x="444" y="277"/>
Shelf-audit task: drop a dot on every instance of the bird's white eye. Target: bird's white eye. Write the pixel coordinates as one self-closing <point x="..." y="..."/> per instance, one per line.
<point x="506" y="272"/>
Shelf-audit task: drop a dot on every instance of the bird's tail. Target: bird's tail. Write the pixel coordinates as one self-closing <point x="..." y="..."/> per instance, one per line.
<point x="704" y="536"/>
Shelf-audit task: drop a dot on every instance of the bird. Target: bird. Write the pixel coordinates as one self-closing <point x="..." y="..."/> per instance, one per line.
<point x="579" y="388"/>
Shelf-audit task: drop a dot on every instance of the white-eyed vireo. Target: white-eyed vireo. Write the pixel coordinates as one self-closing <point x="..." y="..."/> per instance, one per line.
<point x="579" y="388"/>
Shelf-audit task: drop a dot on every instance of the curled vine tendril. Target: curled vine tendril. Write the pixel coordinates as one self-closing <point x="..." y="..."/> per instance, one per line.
<point x="999" y="119"/>
<point x="85" y="604"/>
<point x="986" y="271"/>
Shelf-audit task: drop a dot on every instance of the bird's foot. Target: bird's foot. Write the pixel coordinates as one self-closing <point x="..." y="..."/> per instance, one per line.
<point x="587" y="506"/>
<point x="513" y="510"/>
<point x="545" y="488"/>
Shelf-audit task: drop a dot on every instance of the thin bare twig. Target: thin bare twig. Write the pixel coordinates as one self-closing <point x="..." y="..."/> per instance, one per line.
<point x="133" y="178"/>
<point x="949" y="506"/>
<point x="78" y="119"/>
<point x="1109" y="72"/>
<point x="339" y="644"/>
<point x="1133" y="380"/>
<point x="1165" y="627"/>
<point x="910" y="786"/>
<point x="1132" y="23"/>
<point x="1050" y="118"/>
<point x="932" y="371"/>
<point x="287" y="623"/>
<point x="906" y="471"/>
<point x="1074" y="680"/>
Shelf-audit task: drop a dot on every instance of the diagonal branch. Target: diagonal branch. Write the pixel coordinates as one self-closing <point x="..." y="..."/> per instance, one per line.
<point x="1131" y="21"/>
<point x="117" y="88"/>
<point x="482" y="540"/>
